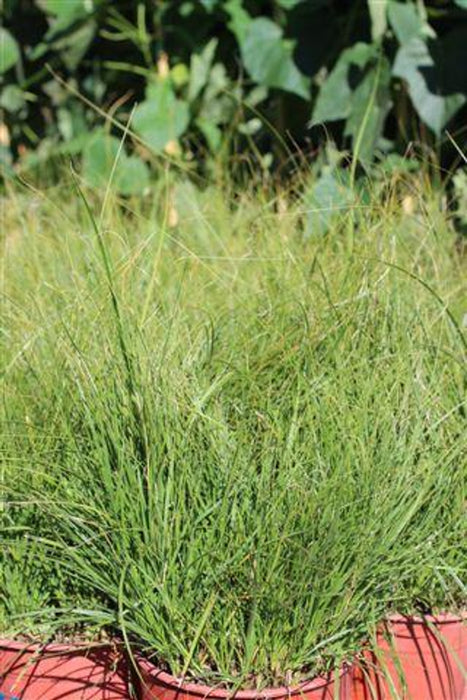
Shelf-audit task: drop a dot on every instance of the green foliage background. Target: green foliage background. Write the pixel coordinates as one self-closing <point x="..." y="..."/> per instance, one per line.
<point x="207" y="78"/>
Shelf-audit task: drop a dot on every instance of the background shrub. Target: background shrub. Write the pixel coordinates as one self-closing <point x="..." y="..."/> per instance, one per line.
<point x="208" y="77"/>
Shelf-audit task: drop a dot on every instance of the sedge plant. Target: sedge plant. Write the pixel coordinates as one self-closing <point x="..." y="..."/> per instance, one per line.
<point x="245" y="443"/>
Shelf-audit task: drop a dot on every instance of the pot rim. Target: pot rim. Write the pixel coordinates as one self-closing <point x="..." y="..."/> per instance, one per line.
<point x="53" y="647"/>
<point x="205" y="691"/>
<point x="444" y="618"/>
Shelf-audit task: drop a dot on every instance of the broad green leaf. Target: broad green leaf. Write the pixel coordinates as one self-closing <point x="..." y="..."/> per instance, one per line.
<point x="217" y="83"/>
<point x="240" y="20"/>
<point x="268" y="58"/>
<point x="289" y="4"/>
<point x="364" y="106"/>
<point x="75" y="145"/>
<point x="218" y="110"/>
<point x="325" y="202"/>
<point x="76" y="44"/>
<point x="250" y="127"/>
<point x="71" y="121"/>
<point x="60" y="8"/>
<point x="208" y="5"/>
<point x="425" y="78"/>
<point x="200" y="67"/>
<point x="70" y="36"/>
<point x="161" y="117"/>
<point x="335" y="96"/>
<point x="378" y="13"/>
<point x="211" y="133"/>
<point x="461" y="3"/>
<point x="333" y="100"/>
<point x="12" y="98"/>
<point x="66" y="15"/>
<point x="9" y="51"/>
<point x="311" y="4"/>
<point x="360" y="53"/>
<point x="98" y="159"/>
<point x="180" y="74"/>
<point x="217" y="106"/>
<point x="369" y="107"/>
<point x="405" y="21"/>
<point x="256" y="96"/>
<point x="131" y="175"/>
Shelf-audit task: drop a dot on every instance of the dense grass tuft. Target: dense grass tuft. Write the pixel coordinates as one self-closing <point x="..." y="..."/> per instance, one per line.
<point x="238" y="444"/>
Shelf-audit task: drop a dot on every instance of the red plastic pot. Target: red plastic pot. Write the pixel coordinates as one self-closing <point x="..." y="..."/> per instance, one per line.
<point x="415" y="659"/>
<point x="158" y="685"/>
<point x="62" y="672"/>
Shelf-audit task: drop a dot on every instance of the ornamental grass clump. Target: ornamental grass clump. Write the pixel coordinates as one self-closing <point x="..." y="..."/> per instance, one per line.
<point x="247" y="445"/>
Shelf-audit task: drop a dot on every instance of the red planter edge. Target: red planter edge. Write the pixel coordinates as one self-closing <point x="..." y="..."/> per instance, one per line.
<point x="29" y="671"/>
<point x="160" y="685"/>
<point x="429" y="651"/>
